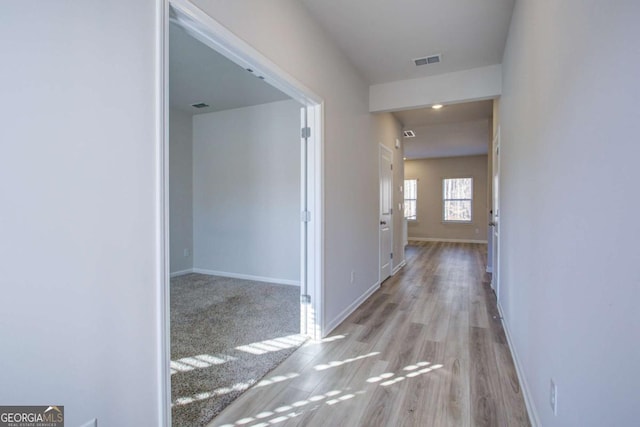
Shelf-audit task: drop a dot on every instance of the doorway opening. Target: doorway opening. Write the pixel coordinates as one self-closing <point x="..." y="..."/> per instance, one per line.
<point x="453" y="143"/>
<point x="213" y="251"/>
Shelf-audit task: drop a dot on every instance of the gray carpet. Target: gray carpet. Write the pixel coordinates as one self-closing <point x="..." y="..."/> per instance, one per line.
<point x="214" y="323"/>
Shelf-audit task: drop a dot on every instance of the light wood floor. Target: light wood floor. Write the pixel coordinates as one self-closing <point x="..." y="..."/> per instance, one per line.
<point x="427" y="349"/>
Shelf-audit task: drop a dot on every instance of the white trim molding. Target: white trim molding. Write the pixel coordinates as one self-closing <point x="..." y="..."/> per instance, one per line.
<point x="350" y="309"/>
<point x="247" y="277"/>
<point x="398" y="267"/>
<point x="181" y="272"/>
<point x="437" y="239"/>
<point x="524" y="386"/>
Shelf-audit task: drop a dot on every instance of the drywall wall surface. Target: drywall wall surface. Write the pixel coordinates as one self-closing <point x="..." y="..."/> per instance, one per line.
<point x="389" y="133"/>
<point x="458" y="86"/>
<point x="80" y="189"/>
<point x="246" y="191"/>
<point x="570" y="282"/>
<point x="301" y="48"/>
<point x="430" y="173"/>
<point x="181" y="190"/>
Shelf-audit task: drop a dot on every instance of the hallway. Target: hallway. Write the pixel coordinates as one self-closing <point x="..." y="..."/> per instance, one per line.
<point x="427" y="349"/>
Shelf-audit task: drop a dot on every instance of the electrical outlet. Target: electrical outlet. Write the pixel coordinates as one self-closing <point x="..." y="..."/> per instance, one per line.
<point x="553" y="397"/>
<point x="353" y="276"/>
<point x="187" y="252"/>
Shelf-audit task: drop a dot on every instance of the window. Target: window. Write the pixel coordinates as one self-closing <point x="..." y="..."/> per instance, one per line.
<point x="457" y="199"/>
<point x="410" y="199"/>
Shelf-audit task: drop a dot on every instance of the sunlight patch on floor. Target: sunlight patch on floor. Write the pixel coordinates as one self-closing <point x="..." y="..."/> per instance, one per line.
<point x="335" y="364"/>
<point x="209" y="394"/>
<point x="326" y="340"/>
<point x="201" y="361"/>
<point x="275" y="344"/>
<point x="333" y="397"/>
<point x="414" y="371"/>
<point x="277" y="379"/>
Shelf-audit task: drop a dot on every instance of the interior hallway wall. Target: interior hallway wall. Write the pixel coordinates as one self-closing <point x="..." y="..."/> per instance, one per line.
<point x="181" y="190"/>
<point x="80" y="184"/>
<point x="429" y="173"/>
<point x="246" y="191"/>
<point x="570" y="281"/>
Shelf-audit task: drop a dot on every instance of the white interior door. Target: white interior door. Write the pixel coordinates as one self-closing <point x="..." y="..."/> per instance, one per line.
<point x="495" y="220"/>
<point x="386" y="203"/>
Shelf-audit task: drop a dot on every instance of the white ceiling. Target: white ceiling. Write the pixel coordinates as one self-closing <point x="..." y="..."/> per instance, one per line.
<point x="454" y="130"/>
<point x="448" y="140"/>
<point x="453" y="113"/>
<point x="381" y="37"/>
<point x="199" y="74"/>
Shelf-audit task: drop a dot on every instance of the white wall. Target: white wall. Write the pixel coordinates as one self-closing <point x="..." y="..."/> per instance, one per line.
<point x="459" y="86"/>
<point x="181" y="189"/>
<point x="351" y="150"/>
<point x="570" y="281"/>
<point x="246" y="191"/>
<point x="79" y="223"/>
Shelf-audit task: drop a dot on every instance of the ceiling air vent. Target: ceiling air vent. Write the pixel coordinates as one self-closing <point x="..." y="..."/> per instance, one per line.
<point x="409" y="134"/>
<point x="200" y="105"/>
<point x="432" y="59"/>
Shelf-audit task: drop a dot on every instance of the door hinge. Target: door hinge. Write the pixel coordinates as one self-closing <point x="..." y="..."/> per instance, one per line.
<point x="391" y="211"/>
<point x="305" y="216"/>
<point x="305" y="299"/>
<point x="306" y="132"/>
<point x="391" y="167"/>
<point x="391" y="255"/>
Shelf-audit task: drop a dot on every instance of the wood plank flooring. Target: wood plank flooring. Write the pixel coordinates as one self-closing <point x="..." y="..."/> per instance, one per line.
<point x="427" y="349"/>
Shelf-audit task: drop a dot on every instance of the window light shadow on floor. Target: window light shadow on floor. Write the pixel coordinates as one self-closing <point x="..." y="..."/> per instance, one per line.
<point x="276" y="344"/>
<point x="326" y="340"/>
<point x="203" y="361"/>
<point x="335" y="364"/>
<point x="200" y="361"/>
<point x="333" y="397"/>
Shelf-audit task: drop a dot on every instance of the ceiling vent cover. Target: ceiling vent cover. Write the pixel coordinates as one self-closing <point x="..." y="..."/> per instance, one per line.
<point x="409" y="134"/>
<point x="427" y="60"/>
<point x="200" y="105"/>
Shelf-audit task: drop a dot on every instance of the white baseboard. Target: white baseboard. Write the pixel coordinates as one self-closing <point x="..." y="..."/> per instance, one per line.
<point x="437" y="239"/>
<point x="524" y="386"/>
<point x="347" y="311"/>
<point x="181" y="272"/>
<point x="398" y="267"/>
<point x="247" y="277"/>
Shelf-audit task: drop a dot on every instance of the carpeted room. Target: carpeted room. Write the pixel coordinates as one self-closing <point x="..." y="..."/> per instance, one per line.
<point x="234" y="229"/>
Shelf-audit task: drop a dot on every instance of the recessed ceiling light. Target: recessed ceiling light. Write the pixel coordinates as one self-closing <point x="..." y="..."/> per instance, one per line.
<point x="436" y="106"/>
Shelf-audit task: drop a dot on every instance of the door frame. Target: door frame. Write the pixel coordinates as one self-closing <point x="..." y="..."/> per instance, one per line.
<point x="213" y="34"/>
<point x="390" y="152"/>
<point x="496" y="217"/>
